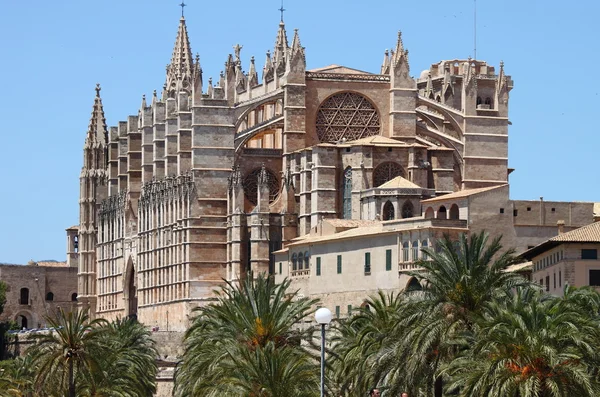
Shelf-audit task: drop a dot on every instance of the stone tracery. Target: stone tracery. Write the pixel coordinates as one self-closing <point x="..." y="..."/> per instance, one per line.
<point x="347" y="116"/>
<point x="386" y="172"/>
<point x="251" y="185"/>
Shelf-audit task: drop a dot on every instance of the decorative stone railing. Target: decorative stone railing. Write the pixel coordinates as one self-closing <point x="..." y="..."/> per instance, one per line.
<point x="343" y="76"/>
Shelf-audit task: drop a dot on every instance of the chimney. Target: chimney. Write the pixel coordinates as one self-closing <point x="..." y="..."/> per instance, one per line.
<point x="561" y="226"/>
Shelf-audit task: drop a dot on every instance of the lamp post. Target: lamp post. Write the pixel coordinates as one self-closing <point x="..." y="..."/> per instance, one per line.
<point x="323" y="317"/>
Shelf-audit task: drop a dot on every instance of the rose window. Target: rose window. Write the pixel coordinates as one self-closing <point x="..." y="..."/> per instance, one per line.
<point x="347" y="116"/>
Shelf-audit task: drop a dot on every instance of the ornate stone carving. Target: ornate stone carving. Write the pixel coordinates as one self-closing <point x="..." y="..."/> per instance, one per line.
<point x="386" y="172"/>
<point x="348" y="116"/>
<point x="260" y="175"/>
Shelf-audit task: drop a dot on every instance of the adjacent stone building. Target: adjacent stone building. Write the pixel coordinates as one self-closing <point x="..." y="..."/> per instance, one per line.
<point x="569" y="258"/>
<point x="210" y="180"/>
<point x="36" y="290"/>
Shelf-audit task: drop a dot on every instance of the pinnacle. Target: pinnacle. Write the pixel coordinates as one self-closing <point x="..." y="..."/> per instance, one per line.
<point x="97" y="131"/>
<point x="180" y="68"/>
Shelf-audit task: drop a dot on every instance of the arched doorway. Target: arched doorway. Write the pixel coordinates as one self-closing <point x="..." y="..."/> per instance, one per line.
<point x="22" y="321"/>
<point x="130" y="290"/>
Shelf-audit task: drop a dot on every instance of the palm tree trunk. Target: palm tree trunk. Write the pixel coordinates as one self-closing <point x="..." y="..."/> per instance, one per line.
<point x="71" y="382"/>
<point x="438" y="387"/>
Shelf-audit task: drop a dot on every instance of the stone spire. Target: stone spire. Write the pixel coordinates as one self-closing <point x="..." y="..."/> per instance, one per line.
<point x="268" y="69"/>
<point x="385" y="65"/>
<point x="180" y="70"/>
<point x="97" y="134"/>
<point x="400" y="55"/>
<point x="281" y="49"/>
<point x="197" y="81"/>
<point x="252" y="74"/>
<point x="429" y="93"/>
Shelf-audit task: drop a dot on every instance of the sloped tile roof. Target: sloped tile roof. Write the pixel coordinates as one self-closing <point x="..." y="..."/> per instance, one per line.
<point x="462" y="194"/>
<point x="399" y="182"/>
<point x="585" y="234"/>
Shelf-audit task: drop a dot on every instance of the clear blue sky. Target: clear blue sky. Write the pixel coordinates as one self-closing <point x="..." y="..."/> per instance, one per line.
<point x="54" y="52"/>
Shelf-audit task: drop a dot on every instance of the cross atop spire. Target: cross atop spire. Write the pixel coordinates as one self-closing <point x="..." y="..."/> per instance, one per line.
<point x="281" y="10"/>
<point x="182" y="5"/>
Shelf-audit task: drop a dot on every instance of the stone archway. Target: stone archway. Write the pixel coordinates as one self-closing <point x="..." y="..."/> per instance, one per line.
<point x="130" y="290"/>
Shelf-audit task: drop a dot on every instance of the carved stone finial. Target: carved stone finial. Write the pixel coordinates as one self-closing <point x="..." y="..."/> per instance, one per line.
<point x="237" y="50"/>
<point x="98" y="89"/>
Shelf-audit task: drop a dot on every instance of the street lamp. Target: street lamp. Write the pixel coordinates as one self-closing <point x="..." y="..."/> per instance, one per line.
<point x="323" y="317"/>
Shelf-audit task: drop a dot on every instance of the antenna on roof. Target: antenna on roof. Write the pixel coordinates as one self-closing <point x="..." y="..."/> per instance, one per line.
<point x="475" y="30"/>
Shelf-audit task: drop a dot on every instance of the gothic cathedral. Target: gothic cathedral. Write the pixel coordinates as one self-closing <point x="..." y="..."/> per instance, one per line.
<point x="207" y="180"/>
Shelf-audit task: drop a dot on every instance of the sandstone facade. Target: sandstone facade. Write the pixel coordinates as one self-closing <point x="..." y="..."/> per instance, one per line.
<point x="207" y="182"/>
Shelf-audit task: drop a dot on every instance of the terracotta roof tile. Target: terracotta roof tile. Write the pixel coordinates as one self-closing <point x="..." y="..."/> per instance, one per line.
<point x="585" y="234"/>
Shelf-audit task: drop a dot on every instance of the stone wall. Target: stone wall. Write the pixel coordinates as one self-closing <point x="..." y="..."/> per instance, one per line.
<point x="45" y="289"/>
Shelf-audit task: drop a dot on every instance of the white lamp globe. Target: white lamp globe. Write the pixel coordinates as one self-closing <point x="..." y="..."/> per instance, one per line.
<point x="323" y="316"/>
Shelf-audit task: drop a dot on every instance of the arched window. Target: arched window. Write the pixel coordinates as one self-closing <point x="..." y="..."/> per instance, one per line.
<point x="488" y="101"/>
<point x="76" y="243"/>
<point x="454" y="211"/>
<point x="429" y="213"/>
<point x="438" y="99"/>
<point x="424" y="245"/>
<point x="49" y="296"/>
<point x="415" y="251"/>
<point x="389" y="212"/>
<point x="386" y="172"/>
<point x="300" y="261"/>
<point x="74" y="297"/>
<point x="24" y="296"/>
<point x="442" y="213"/>
<point x="347" y="194"/>
<point x="294" y="264"/>
<point x="306" y="260"/>
<point x="347" y="116"/>
<point x="407" y="210"/>
<point x="405" y="254"/>
<point x="479" y="101"/>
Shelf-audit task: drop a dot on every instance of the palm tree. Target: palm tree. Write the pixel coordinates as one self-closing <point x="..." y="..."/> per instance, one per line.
<point x="458" y="281"/>
<point x="72" y="351"/>
<point x="128" y="363"/>
<point x="16" y="377"/>
<point x="533" y="345"/>
<point x="356" y="341"/>
<point x="251" y="333"/>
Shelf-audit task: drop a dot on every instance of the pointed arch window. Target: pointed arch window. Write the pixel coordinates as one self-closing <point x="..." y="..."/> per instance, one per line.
<point x="386" y="172"/>
<point x="407" y="210"/>
<point x="479" y="101"/>
<point x="389" y="212"/>
<point x="347" y="194"/>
